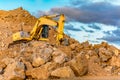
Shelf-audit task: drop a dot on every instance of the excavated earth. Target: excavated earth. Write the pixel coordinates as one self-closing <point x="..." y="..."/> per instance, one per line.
<point x="39" y="60"/>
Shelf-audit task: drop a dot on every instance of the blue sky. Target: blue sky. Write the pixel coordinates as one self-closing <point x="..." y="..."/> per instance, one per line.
<point x="32" y="5"/>
<point x="92" y="20"/>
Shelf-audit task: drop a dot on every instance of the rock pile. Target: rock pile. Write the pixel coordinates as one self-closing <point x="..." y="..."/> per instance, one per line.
<point x="39" y="60"/>
<point x="44" y="60"/>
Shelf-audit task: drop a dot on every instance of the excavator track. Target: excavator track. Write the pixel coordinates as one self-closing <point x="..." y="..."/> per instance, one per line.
<point x="16" y="42"/>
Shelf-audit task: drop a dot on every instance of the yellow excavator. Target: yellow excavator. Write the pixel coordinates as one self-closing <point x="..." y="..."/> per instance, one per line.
<point x="40" y="29"/>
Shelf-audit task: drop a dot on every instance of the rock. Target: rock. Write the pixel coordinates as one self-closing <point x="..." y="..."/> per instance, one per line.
<point x="7" y="60"/>
<point x="59" y="57"/>
<point x="115" y="70"/>
<point x="15" y="71"/>
<point x="40" y="44"/>
<point x="2" y="77"/>
<point x="63" y="72"/>
<point x="86" y="45"/>
<point x="27" y="64"/>
<point x="73" y="46"/>
<point x="114" y="50"/>
<point x="104" y="44"/>
<point x="37" y="60"/>
<point x="38" y="73"/>
<point x="108" y="69"/>
<point x="50" y="66"/>
<point x="46" y="53"/>
<point x="103" y="64"/>
<point x="42" y="57"/>
<point x="95" y="69"/>
<point x="2" y="64"/>
<point x="76" y="47"/>
<point x="104" y="54"/>
<point x="78" y="65"/>
<point x="115" y="61"/>
<point x="91" y="53"/>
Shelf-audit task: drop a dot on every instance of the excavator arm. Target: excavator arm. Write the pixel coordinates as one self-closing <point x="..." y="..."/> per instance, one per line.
<point x="38" y="27"/>
<point x="60" y="29"/>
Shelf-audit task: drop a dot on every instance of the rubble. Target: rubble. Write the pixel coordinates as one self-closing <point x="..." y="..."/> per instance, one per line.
<point x="45" y="60"/>
<point x="38" y="73"/>
<point x="14" y="71"/>
<point x="79" y="65"/>
<point x="37" y="60"/>
<point x="115" y="61"/>
<point x="59" y="56"/>
<point x="63" y="72"/>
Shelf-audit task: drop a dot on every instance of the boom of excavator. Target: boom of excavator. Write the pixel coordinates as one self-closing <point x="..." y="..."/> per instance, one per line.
<point x="40" y="29"/>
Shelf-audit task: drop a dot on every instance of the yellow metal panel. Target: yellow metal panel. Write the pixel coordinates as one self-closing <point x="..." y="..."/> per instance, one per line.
<point x="16" y="36"/>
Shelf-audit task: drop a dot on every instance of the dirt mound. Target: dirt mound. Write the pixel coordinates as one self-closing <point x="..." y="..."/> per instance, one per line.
<point x="45" y="60"/>
<point x="12" y="21"/>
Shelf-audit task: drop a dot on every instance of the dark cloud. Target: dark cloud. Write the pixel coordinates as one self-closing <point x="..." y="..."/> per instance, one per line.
<point x="113" y="36"/>
<point x="71" y="27"/>
<point x="100" y="12"/>
<point x="86" y="30"/>
<point x="93" y="26"/>
<point x="116" y="32"/>
<point x="107" y="32"/>
<point x="96" y="12"/>
<point x="39" y="13"/>
<point x="110" y="38"/>
<point x="90" y="31"/>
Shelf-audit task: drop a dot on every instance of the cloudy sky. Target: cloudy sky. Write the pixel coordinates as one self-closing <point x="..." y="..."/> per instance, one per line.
<point x="92" y="20"/>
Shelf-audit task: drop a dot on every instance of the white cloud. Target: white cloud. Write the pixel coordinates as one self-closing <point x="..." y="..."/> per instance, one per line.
<point x="92" y="37"/>
<point x="115" y="2"/>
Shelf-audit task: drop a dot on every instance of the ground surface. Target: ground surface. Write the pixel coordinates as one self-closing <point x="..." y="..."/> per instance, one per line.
<point x="45" y="60"/>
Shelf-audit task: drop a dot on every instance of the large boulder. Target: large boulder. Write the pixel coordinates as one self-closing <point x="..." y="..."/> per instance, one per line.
<point x="115" y="61"/>
<point x="42" y="57"/>
<point x="46" y="53"/>
<point x="2" y="77"/>
<point x="28" y="65"/>
<point x="113" y="49"/>
<point x="105" y="54"/>
<point x="86" y="45"/>
<point x="37" y="60"/>
<point x="7" y="60"/>
<point x="50" y="66"/>
<point x="38" y="73"/>
<point x="59" y="56"/>
<point x="73" y="46"/>
<point x="2" y="66"/>
<point x="63" y="72"/>
<point x="78" y="65"/>
<point x="15" y="71"/>
<point x="94" y="68"/>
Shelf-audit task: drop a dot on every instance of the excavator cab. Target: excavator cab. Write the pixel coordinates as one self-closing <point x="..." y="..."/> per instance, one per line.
<point x="45" y="31"/>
